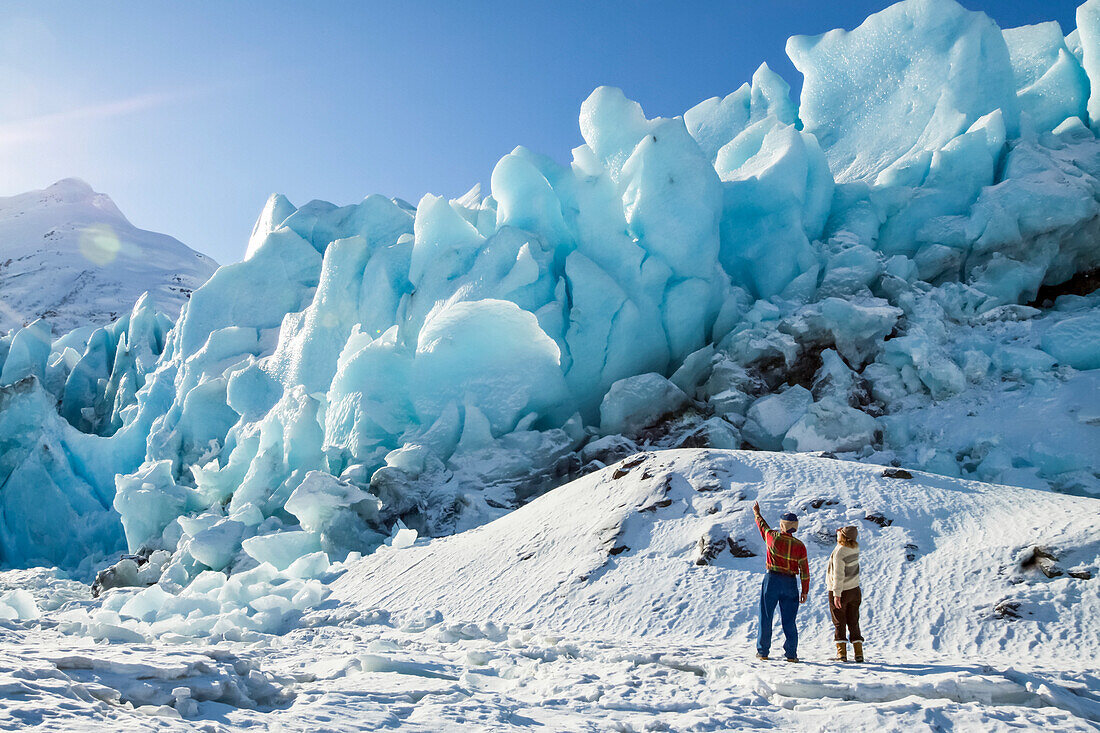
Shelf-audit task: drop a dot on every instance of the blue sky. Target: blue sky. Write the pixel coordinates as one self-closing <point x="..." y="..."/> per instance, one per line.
<point x="190" y="114"/>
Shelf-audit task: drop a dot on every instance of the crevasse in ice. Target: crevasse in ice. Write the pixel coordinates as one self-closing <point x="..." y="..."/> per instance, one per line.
<point x="795" y="274"/>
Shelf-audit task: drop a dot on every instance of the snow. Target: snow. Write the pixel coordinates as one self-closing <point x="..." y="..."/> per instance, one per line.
<point x="69" y="256"/>
<point x="532" y="622"/>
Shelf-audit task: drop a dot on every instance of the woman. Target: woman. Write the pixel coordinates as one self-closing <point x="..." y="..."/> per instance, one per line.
<point x="842" y="580"/>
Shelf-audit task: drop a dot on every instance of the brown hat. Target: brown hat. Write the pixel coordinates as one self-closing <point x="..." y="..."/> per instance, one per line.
<point x="849" y="532"/>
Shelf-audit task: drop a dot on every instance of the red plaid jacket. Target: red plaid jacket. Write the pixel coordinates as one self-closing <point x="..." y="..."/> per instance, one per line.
<point x="786" y="554"/>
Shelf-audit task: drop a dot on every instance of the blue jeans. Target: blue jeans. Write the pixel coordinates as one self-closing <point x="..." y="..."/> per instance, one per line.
<point x="781" y="589"/>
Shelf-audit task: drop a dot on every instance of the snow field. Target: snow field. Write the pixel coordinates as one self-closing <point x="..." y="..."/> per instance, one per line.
<point x="494" y="629"/>
<point x="606" y="555"/>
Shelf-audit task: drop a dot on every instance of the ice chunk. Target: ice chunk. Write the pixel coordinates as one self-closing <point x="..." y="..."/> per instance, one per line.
<point x="1022" y="360"/>
<point x="612" y="125"/>
<point x="777" y="194"/>
<point x="444" y="242"/>
<point x="771" y="416"/>
<point x="402" y="538"/>
<point x="252" y="392"/>
<point x="1051" y="85"/>
<point x="718" y="433"/>
<point x="695" y="369"/>
<point x="18" y="604"/>
<point x="637" y="402"/>
<point x="147" y="501"/>
<point x="851" y="270"/>
<point x="28" y="353"/>
<point x="256" y="293"/>
<point x="905" y="82"/>
<point x="309" y="566"/>
<point x="1075" y="341"/>
<point x="858" y="326"/>
<point x="321" y="497"/>
<point x="490" y="354"/>
<point x="277" y="209"/>
<point x="609" y="336"/>
<point x="1088" y="32"/>
<point x="916" y="353"/>
<point x="217" y="545"/>
<point x="145" y="604"/>
<point x="716" y="121"/>
<point x="280" y="549"/>
<point x="831" y="426"/>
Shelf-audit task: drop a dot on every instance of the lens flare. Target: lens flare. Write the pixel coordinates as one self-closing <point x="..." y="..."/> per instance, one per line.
<point x="99" y="244"/>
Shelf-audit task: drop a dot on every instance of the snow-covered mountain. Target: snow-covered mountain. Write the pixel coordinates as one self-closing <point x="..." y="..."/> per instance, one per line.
<point x="68" y="255"/>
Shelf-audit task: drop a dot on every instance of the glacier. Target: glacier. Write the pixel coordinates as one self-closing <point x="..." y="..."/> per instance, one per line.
<point x="847" y="273"/>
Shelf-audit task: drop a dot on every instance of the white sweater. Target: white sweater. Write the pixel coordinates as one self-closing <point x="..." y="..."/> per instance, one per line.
<point x="843" y="570"/>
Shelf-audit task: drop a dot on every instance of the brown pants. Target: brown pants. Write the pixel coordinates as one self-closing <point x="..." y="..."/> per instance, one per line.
<point x="846" y="616"/>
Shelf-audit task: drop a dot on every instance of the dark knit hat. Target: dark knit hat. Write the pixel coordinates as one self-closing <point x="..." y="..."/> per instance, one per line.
<point x="789" y="517"/>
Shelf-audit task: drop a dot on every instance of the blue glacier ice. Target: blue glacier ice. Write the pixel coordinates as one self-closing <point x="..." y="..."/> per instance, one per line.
<point x="762" y="271"/>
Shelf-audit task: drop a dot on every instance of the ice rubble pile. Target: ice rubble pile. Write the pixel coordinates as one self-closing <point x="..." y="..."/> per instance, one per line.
<point x="789" y="275"/>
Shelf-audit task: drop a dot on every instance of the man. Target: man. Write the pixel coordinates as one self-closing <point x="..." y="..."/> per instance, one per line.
<point x="785" y="559"/>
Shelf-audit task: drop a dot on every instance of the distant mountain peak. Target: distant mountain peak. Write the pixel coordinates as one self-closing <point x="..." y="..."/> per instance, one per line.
<point x="69" y="255"/>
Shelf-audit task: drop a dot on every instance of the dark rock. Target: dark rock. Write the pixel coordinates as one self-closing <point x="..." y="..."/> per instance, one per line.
<point x="1007" y="609"/>
<point x="656" y="505"/>
<point x="709" y="547"/>
<point x="624" y="467"/>
<point x="618" y="550"/>
<point x="1045" y="560"/>
<point x="911" y="552"/>
<point x="896" y="473"/>
<point x="737" y="549"/>
<point x="878" y="519"/>
<point x="1080" y="574"/>
<point x="818" y="503"/>
<point x="115" y="577"/>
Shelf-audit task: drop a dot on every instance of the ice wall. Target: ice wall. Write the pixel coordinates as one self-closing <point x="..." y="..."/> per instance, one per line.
<point x="448" y="360"/>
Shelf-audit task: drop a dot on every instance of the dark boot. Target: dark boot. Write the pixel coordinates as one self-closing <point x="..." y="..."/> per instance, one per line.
<point x="857" y="647"/>
<point x="841" y="652"/>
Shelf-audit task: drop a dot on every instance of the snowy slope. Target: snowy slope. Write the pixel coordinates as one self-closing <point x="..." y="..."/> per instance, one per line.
<point x="69" y="255"/>
<point x="613" y="554"/>
<point x="529" y="623"/>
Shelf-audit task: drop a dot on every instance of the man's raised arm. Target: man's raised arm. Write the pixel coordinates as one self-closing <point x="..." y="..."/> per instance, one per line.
<point x="760" y="523"/>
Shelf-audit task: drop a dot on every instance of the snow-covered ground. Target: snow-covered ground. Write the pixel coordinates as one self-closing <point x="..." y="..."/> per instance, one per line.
<point x="68" y="255"/>
<point x="587" y="610"/>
